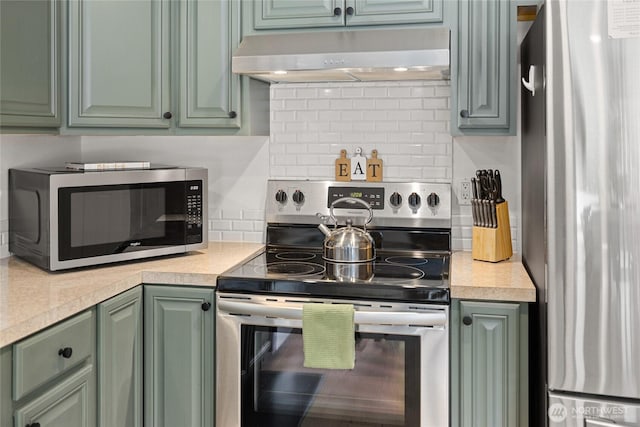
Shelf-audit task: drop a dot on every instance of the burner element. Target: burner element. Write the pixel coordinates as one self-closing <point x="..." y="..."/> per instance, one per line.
<point x="295" y="256"/>
<point x="406" y="260"/>
<point x="293" y="268"/>
<point x="398" y="271"/>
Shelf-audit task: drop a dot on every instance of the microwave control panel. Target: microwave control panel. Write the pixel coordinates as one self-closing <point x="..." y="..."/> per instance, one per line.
<point x="194" y="211"/>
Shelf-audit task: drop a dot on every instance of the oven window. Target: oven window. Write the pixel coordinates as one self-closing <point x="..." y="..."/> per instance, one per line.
<point x="105" y="220"/>
<point x="382" y="390"/>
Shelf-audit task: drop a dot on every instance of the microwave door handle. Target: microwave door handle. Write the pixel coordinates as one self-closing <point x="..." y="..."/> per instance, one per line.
<point x="360" y="317"/>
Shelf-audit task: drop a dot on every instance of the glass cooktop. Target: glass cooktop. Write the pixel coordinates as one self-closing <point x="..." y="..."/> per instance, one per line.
<point x="397" y="276"/>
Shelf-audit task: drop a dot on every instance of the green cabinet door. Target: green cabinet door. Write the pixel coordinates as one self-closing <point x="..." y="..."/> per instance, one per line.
<point x="29" y="63"/>
<point x="485" y="74"/>
<point x="209" y="93"/>
<point x="178" y="356"/>
<point x="70" y="403"/>
<point x="120" y="360"/>
<point x="275" y="14"/>
<point x="118" y="63"/>
<point x="489" y="364"/>
<point x="281" y="14"/>
<point x="6" y="410"/>
<point x="379" y="12"/>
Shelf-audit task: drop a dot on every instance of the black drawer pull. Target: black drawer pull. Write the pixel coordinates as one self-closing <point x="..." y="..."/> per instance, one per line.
<point x="33" y="425"/>
<point x="467" y="320"/>
<point x="206" y="306"/>
<point x="65" y="352"/>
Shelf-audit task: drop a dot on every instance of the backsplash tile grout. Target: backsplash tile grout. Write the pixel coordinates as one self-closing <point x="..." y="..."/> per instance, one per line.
<point x="405" y="121"/>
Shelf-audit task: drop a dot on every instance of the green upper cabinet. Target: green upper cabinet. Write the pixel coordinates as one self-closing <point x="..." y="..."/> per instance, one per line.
<point x="119" y="63"/>
<point x="209" y="92"/>
<point x="489" y="364"/>
<point x="29" y="63"/>
<point x="282" y="14"/>
<point x="153" y="64"/>
<point x="178" y="356"/>
<point x="484" y="99"/>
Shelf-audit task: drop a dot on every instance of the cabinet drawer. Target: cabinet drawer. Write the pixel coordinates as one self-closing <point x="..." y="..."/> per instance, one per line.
<point x="51" y="352"/>
<point x="71" y="403"/>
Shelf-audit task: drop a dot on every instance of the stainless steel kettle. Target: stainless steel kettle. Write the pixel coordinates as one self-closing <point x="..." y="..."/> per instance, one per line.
<point x="348" y="244"/>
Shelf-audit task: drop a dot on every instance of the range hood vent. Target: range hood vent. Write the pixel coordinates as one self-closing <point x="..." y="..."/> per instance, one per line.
<point x="357" y="55"/>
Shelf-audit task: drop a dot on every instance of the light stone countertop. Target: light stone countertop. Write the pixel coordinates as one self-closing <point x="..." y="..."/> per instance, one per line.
<point x="495" y="281"/>
<point x="32" y="299"/>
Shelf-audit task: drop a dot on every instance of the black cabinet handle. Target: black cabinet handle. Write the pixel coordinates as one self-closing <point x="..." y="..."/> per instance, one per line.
<point x="232" y="114"/>
<point x="206" y="306"/>
<point x="167" y="115"/>
<point x="467" y="320"/>
<point x="464" y="114"/>
<point x="65" y="352"/>
<point x="337" y="11"/>
<point x="33" y="425"/>
<point x="350" y="10"/>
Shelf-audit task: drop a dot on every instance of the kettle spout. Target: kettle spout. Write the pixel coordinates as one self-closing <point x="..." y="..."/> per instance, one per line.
<point x="324" y="229"/>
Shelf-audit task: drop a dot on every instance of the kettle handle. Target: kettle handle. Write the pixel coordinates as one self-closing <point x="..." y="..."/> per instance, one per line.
<point x="351" y="200"/>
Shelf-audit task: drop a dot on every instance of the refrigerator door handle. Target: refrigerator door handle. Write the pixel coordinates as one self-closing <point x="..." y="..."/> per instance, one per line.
<point x="593" y="422"/>
<point x="530" y="84"/>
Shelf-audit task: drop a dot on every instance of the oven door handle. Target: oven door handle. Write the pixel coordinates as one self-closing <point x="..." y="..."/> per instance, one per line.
<point x="360" y="317"/>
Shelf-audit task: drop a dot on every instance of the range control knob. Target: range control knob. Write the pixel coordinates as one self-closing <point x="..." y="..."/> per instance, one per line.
<point x="433" y="200"/>
<point x="298" y="197"/>
<point x="395" y="199"/>
<point x="414" y="200"/>
<point x="281" y="197"/>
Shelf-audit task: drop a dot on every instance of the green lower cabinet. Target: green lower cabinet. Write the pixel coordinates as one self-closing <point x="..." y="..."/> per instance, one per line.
<point x="70" y="403"/>
<point x="489" y="364"/>
<point x="178" y="356"/>
<point x="119" y="360"/>
<point x="6" y="410"/>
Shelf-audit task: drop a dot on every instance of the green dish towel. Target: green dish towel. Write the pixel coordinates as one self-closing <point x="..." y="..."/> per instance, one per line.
<point x="328" y="336"/>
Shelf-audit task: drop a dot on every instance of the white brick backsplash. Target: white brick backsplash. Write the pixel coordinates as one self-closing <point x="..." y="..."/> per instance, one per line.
<point x="242" y="225"/>
<point x="221" y="225"/>
<point x="399" y="119"/>
<point x="255" y="215"/>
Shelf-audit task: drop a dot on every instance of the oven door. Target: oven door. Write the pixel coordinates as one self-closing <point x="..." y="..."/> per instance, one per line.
<point x="125" y="215"/>
<point x="401" y="375"/>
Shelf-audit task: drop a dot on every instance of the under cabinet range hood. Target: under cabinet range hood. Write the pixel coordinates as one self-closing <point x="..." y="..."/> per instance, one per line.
<point x="356" y="55"/>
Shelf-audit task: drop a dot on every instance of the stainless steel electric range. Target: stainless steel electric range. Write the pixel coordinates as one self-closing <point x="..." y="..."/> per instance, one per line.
<point x="401" y="375"/>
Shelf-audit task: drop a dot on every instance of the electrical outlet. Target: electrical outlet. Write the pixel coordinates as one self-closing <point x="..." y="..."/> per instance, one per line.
<point x="464" y="192"/>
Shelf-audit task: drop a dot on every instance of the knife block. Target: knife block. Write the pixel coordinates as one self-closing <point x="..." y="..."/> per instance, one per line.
<point x="493" y="244"/>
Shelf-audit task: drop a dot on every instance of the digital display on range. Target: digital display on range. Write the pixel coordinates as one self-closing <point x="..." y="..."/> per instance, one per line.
<point x="373" y="196"/>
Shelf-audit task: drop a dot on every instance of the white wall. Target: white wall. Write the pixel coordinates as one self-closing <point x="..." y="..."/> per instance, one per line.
<point x="407" y="122"/>
<point x="29" y="150"/>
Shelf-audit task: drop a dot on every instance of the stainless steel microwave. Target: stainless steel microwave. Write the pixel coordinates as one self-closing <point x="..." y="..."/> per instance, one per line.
<point x="63" y="218"/>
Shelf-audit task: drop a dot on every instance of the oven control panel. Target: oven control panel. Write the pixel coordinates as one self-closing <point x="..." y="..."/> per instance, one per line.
<point x="396" y="204"/>
<point x="374" y="196"/>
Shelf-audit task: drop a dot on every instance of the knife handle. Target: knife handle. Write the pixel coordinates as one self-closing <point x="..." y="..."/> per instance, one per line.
<point x="498" y="179"/>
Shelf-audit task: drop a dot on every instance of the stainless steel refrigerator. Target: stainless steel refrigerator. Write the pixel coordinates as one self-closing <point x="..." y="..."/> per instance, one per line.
<point x="581" y="211"/>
